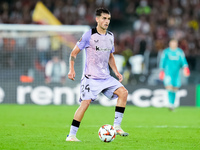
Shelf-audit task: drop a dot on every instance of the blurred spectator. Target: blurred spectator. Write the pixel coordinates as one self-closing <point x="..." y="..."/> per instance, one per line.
<point x="143" y="8"/>
<point x="55" y="70"/>
<point x="183" y="44"/>
<point x="117" y="10"/>
<point x="194" y="24"/>
<point x="8" y="52"/>
<point x="142" y="40"/>
<point x="141" y="25"/>
<point x="104" y="3"/>
<point x="43" y="46"/>
<point x="138" y="25"/>
<point x="130" y="10"/>
<point x="160" y="38"/>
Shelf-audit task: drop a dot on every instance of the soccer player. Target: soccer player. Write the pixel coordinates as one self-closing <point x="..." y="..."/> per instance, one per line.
<point x="172" y="60"/>
<point x="99" y="47"/>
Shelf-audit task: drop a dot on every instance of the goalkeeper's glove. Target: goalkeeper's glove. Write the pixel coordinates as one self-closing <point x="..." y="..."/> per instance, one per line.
<point x="161" y="75"/>
<point x="186" y="71"/>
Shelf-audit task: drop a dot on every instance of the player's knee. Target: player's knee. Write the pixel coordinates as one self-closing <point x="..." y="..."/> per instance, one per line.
<point x="123" y="93"/>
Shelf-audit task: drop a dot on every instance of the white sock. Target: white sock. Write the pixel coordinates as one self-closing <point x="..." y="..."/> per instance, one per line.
<point x="73" y="130"/>
<point x="118" y="118"/>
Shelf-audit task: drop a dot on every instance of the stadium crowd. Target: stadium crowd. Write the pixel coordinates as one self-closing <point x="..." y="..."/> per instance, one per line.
<point x="139" y="25"/>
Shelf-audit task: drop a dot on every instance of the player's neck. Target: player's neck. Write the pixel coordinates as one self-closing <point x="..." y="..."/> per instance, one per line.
<point x="100" y="30"/>
<point x="173" y="48"/>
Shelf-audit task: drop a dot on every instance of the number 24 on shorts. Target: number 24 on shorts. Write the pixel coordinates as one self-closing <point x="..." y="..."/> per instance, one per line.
<point x="83" y="88"/>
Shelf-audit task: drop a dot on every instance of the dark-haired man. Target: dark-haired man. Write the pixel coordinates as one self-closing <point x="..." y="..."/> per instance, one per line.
<point x="99" y="47"/>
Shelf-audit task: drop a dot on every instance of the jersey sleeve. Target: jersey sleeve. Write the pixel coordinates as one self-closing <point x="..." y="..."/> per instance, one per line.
<point x="162" y="60"/>
<point x="113" y="50"/>
<point x="84" y="41"/>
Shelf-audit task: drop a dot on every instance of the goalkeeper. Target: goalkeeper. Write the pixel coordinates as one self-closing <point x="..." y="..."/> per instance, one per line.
<point x="172" y="60"/>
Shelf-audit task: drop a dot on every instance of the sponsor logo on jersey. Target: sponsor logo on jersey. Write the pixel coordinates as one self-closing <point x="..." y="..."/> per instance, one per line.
<point x="102" y="49"/>
<point x="173" y="57"/>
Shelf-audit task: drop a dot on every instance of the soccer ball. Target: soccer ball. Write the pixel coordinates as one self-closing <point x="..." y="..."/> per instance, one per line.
<point x="107" y="133"/>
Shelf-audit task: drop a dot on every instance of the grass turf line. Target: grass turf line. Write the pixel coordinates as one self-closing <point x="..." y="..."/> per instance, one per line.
<point x="46" y="127"/>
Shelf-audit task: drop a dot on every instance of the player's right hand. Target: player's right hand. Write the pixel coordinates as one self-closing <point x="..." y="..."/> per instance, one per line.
<point x="71" y="75"/>
<point x="161" y="75"/>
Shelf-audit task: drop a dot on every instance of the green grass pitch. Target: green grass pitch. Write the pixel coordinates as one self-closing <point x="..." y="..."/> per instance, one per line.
<point x="33" y="127"/>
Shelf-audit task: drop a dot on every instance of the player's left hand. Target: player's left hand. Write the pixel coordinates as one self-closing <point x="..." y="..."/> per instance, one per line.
<point x="186" y="71"/>
<point x="119" y="76"/>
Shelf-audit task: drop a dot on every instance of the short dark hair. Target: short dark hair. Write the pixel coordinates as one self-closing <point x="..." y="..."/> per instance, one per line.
<point x="173" y="39"/>
<point x="99" y="11"/>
